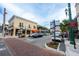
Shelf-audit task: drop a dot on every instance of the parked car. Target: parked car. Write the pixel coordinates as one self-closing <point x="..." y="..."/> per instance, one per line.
<point x="57" y="37"/>
<point x="35" y="35"/>
<point x="57" y="34"/>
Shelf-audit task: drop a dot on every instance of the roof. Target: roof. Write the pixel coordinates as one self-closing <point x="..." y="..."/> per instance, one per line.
<point x="20" y="18"/>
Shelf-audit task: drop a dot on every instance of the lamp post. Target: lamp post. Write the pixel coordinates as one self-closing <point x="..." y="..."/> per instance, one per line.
<point x="4" y="21"/>
<point x="54" y="29"/>
<point x="71" y="31"/>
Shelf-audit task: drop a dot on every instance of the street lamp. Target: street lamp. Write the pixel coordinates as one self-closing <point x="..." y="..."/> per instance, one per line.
<point x="4" y="21"/>
<point x="66" y="12"/>
<point x="71" y="31"/>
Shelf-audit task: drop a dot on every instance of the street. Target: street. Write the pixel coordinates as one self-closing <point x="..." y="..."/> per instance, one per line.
<point x="18" y="47"/>
<point x="39" y="41"/>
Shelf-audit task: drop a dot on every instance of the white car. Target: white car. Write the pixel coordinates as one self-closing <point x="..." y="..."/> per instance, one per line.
<point x="57" y="37"/>
<point x="57" y="34"/>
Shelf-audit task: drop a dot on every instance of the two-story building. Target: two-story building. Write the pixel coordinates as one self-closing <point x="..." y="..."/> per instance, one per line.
<point x="17" y="24"/>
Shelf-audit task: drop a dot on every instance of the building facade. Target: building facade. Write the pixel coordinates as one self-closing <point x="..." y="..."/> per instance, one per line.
<point x="77" y="13"/>
<point x="18" y="24"/>
<point x="77" y="8"/>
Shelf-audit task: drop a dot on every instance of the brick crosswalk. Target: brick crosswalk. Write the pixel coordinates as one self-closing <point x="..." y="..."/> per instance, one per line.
<point x="20" y="48"/>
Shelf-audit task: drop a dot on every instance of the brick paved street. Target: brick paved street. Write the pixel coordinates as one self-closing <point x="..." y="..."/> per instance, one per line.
<point x="4" y="49"/>
<point x="21" y="48"/>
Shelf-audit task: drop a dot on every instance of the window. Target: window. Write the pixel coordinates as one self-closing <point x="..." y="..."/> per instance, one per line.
<point x="19" y="24"/>
<point x="22" y="24"/>
<point x="34" y="27"/>
<point x="29" y="26"/>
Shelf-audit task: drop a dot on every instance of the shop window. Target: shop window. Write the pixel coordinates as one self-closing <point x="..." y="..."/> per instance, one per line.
<point x="28" y="31"/>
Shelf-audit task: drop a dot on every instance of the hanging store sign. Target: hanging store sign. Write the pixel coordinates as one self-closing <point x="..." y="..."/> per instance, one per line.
<point x="73" y="24"/>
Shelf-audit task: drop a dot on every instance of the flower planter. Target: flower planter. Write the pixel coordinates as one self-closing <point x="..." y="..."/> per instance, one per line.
<point x="51" y="48"/>
<point x="57" y="50"/>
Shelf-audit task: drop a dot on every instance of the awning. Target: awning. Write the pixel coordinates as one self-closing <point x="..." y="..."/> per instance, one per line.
<point x="35" y="30"/>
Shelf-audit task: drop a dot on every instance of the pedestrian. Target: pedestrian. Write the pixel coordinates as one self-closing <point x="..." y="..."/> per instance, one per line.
<point x="74" y="45"/>
<point x="62" y="35"/>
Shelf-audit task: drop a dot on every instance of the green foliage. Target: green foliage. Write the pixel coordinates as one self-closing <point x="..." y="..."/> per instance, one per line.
<point x="64" y="25"/>
<point x="42" y="27"/>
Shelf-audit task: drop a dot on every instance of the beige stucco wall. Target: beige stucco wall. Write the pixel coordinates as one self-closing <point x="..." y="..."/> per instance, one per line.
<point x="78" y="22"/>
<point x="77" y="13"/>
<point x="26" y="24"/>
<point x="77" y="9"/>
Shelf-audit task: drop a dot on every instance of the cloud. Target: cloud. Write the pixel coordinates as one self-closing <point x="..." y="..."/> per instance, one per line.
<point x="25" y="14"/>
<point x="59" y="15"/>
<point x="52" y="13"/>
<point x="13" y="8"/>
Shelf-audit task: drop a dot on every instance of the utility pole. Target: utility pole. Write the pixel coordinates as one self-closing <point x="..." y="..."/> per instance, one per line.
<point x="54" y="29"/>
<point x="4" y="14"/>
<point x="71" y="31"/>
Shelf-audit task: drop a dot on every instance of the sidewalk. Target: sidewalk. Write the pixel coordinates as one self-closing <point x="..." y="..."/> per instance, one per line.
<point x="7" y="36"/>
<point x="21" y="48"/>
<point x="70" y="51"/>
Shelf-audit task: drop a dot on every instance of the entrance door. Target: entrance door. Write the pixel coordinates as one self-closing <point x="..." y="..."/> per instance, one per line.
<point x="28" y="31"/>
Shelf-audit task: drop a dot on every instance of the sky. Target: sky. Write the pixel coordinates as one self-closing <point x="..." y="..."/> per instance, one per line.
<point x="42" y="13"/>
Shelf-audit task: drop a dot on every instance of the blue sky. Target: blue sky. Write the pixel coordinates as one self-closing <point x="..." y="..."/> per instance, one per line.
<point x="42" y="13"/>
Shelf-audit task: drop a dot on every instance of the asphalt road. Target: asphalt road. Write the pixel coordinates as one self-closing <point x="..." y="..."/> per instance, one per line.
<point x="39" y="41"/>
<point x="42" y="40"/>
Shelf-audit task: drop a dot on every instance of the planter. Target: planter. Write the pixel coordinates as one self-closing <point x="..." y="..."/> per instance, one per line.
<point x="57" y="50"/>
<point x="54" y="47"/>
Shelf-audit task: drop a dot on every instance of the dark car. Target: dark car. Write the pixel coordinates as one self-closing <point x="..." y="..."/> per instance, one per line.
<point x="35" y="35"/>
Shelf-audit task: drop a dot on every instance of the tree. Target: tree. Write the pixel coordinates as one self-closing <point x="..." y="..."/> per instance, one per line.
<point x="64" y="25"/>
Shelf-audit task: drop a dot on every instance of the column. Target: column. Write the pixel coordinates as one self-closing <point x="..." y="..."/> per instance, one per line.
<point x="14" y="31"/>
